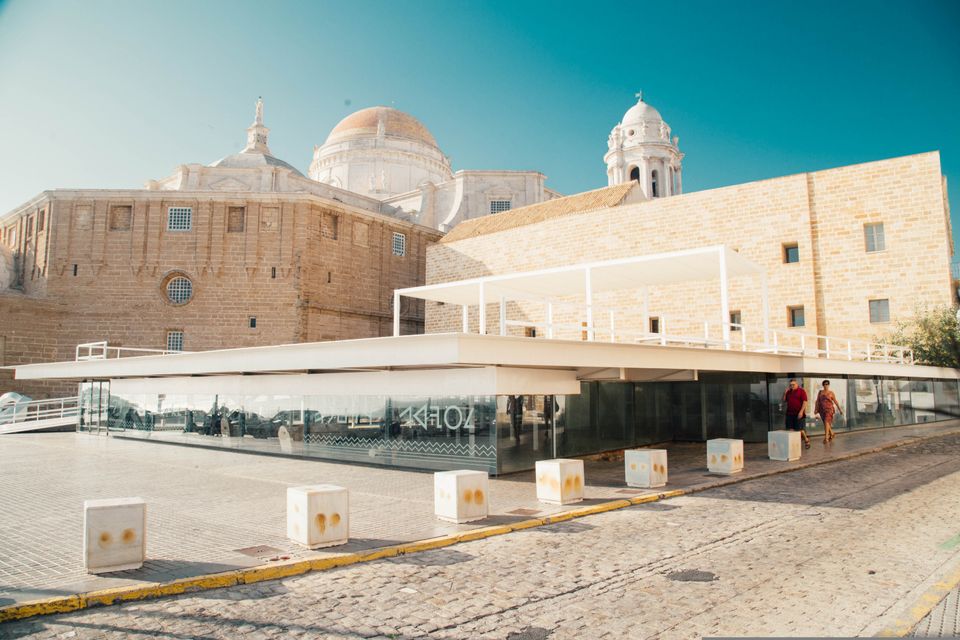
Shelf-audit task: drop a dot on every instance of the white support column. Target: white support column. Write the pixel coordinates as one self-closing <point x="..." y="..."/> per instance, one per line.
<point x="549" y="320"/>
<point x="483" y="310"/>
<point x="724" y="299"/>
<point x="466" y="319"/>
<point x="588" y="283"/>
<point x="503" y="316"/>
<point x="766" y="309"/>
<point x="396" y="314"/>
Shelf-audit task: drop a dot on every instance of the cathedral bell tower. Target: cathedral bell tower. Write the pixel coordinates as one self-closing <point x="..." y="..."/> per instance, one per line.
<point x="640" y="148"/>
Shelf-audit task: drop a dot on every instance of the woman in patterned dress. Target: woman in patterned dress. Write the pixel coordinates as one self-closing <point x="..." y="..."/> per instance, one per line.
<point x="825" y="407"/>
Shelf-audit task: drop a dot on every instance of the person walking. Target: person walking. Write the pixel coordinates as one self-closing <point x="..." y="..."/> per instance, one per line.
<point x="795" y="399"/>
<point x="825" y="407"/>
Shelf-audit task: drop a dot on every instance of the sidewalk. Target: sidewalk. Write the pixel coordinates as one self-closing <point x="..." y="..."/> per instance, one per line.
<point x="212" y="511"/>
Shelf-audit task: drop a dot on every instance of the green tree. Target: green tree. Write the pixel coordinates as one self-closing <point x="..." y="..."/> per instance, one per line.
<point x="933" y="334"/>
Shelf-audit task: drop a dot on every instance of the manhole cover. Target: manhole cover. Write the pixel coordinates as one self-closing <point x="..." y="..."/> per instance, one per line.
<point x="691" y="575"/>
<point x="259" y="551"/>
<point x="523" y="512"/>
<point x="530" y="633"/>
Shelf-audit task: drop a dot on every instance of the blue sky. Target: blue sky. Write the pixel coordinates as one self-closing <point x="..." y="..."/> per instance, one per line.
<point x="110" y="94"/>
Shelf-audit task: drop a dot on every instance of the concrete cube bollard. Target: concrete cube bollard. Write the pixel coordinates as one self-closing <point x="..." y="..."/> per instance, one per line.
<point x="783" y="445"/>
<point x="560" y="481"/>
<point x="460" y="496"/>
<point x="725" y="456"/>
<point x="318" y="515"/>
<point x="645" y="468"/>
<point x="114" y="534"/>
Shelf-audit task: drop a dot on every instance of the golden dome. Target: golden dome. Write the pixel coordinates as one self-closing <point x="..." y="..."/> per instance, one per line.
<point x="374" y="120"/>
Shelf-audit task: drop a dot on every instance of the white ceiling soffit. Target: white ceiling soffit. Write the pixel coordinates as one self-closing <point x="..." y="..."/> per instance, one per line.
<point x="611" y="275"/>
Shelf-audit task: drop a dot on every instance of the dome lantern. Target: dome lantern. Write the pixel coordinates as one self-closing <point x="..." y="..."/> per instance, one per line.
<point x="640" y="148"/>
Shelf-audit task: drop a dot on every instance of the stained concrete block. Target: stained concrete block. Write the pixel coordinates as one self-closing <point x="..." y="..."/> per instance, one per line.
<point x="783" y="445"/>
<point x="645" y="467"/>
<point x="460" y="496"/>
<point x="318" y="515"/>
<point x="114" y="534"/>
<point x="560" y="481"/>
<point x="725" y="456"/>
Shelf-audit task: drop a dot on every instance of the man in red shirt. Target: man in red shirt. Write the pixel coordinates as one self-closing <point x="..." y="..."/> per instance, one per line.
<point x="796" y="400"/>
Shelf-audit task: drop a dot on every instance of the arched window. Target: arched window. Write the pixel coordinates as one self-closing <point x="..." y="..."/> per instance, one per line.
<point x="653" y="183"/>
<point x="635" y="174"/>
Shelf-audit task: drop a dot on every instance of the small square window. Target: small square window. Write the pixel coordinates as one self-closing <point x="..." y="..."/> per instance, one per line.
<point x="654" y="324"/>
<point x="253" y="322"/>
<point x="496" y="206"/>
<point x="236" y="219"/>
<point x="791" y="253"/>
<point x="120" y="217"/>
<point x="795" y="316"/>
<point x="399" y="244"/>
<point x="179" y="218"/>
<point x="735" y="321"/>
<point x="873" y="237"/>
<point x="880" y="310"/>
<point x="174" y="340"/>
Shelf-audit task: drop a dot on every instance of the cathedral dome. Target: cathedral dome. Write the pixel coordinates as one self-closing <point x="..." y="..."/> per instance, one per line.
<point x="386" y="121"/>
<point x="381" y="152"/>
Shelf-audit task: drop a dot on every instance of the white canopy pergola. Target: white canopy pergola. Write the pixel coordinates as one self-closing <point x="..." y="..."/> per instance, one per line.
<point x="709" y="263"/>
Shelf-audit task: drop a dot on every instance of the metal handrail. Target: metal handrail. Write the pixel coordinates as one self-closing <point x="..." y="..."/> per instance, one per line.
<point x="36" y="410"/>
<point x="102" y="351"/>
<point x="777" y="341"/>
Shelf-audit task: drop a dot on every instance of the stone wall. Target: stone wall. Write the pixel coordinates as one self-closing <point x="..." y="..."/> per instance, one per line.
<point x="823" y="213"/>
<point x="292" y="262"/>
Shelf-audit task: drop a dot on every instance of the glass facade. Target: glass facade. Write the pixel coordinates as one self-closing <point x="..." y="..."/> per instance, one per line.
<point x="502" y="434"/>
<point x="417" y="432"/>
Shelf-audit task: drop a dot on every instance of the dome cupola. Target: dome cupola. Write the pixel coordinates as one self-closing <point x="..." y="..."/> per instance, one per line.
<point x="640" y="148"/>
<point x="380" y="151"/>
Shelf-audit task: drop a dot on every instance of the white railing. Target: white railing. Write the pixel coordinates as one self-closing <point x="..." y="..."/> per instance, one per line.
<point x="103" y="351"/>
<point x="675" y="331"/>
<point x="65" y="409"/>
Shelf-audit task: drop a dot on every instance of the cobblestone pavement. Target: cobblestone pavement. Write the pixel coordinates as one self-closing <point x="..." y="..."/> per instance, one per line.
<point x="944" y="620"/>
<point x="206" y="506"/>
<point x="830" y="550"/>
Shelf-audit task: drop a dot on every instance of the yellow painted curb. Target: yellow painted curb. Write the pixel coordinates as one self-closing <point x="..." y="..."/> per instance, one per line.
<point x="924" y="605"/>
<point x="75" y="602"/>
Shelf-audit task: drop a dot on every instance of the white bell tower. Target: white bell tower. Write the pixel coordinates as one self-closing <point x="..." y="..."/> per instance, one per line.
<point x="640" y="148"/>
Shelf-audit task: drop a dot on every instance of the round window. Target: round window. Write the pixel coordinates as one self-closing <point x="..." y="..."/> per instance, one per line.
<point x="631" y="132"/>
<point x="179" y="290"/>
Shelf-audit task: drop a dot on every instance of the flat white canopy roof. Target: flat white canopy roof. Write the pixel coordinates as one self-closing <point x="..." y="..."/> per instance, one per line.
<point x="609" y="275"/>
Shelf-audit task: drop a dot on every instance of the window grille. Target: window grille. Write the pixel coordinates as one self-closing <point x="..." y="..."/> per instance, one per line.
<point x="179" y="218"/>
<point x="496" y="206"/>
<point x="399" y="244"/>
<point x="174" y="340"/>
<point x="179" y="290"/>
